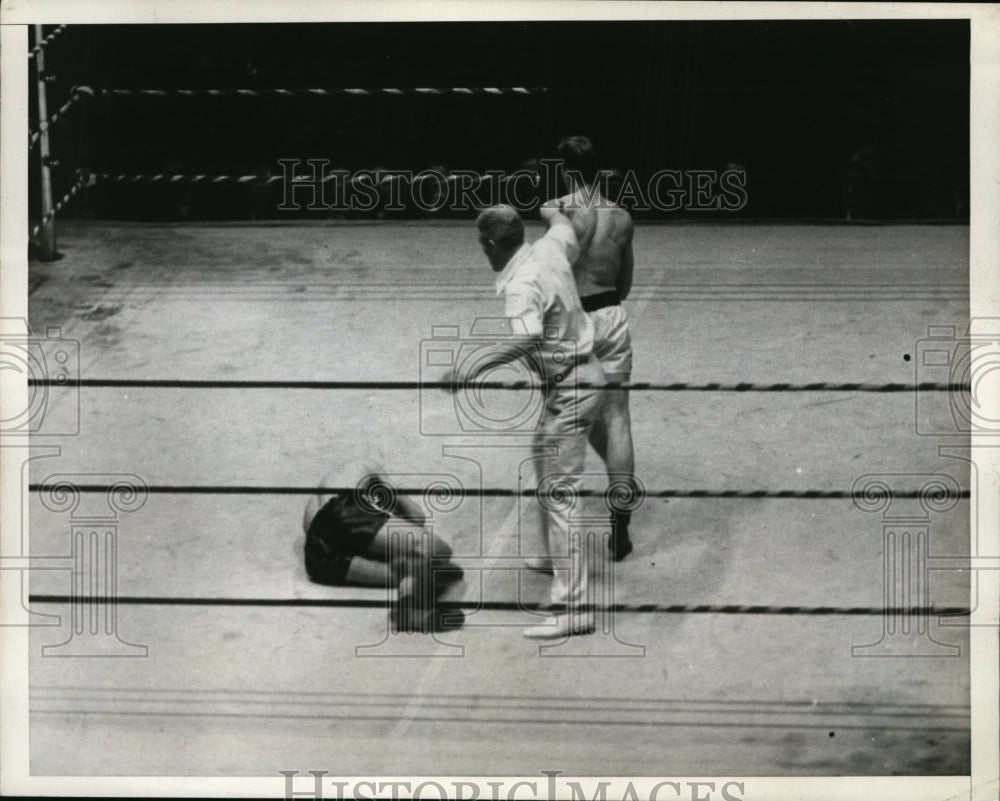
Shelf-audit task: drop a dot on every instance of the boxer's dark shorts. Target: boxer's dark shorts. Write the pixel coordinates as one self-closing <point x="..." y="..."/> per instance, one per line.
<point x="330" y="545"/>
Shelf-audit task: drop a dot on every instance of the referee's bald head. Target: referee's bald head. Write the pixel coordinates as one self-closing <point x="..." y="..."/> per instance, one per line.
<point x="501" y="224"/>
<point x="501" y="233"/>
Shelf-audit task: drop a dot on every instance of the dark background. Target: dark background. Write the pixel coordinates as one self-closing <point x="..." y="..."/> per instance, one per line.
<point x="830" y="119"/>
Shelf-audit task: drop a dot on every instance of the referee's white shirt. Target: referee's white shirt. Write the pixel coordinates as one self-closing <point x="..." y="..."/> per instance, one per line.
<point x="541" y="300"/>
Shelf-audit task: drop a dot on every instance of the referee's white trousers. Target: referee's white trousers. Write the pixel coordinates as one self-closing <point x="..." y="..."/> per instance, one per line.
<point x="560" y="446"/>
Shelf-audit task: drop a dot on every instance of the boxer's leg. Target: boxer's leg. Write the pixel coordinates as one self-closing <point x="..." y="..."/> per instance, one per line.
<point x="611" y="437"/>
<point x="416" y="562"/>
<point x="370" y="572"/>
<point x="620" y="460"/>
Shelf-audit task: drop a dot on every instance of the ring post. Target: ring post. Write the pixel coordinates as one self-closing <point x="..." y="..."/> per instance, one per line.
<point x="47" y="234"/>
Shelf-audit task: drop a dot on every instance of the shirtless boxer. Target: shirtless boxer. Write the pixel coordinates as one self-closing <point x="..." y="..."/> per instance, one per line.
<point x="603" y="273"/>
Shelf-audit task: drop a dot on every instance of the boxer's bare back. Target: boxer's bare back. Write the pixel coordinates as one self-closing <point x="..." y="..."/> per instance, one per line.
<point x="604" y="232"/>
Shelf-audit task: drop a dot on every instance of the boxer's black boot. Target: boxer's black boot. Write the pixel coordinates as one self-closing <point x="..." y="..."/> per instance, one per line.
<point x="620" y="544"/>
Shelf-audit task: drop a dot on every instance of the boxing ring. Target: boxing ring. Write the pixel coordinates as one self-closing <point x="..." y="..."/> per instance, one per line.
<point x="797" y="603"/>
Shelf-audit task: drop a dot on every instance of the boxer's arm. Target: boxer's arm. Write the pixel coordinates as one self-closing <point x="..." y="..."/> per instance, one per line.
<point x="551" y="209"/>
<point x="406" y="508"/>
<point x="402" y="506"/>
<point x="582" y="219"/>
<point x="558" y="215"/>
